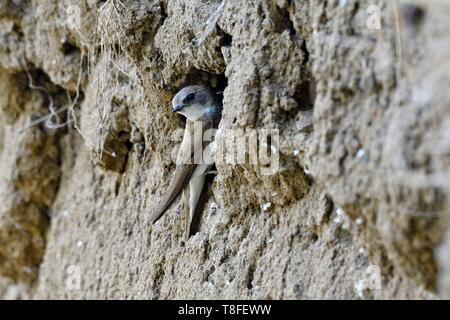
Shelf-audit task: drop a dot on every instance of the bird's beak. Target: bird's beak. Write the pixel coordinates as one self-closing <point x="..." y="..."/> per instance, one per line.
<point x="177" y="108"/>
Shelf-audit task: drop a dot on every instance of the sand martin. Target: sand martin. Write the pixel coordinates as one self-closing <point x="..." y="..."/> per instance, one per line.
<point x="202" y="112"/>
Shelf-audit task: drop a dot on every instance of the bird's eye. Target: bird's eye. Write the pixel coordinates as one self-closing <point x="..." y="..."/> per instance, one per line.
<point x="189" y="98"/>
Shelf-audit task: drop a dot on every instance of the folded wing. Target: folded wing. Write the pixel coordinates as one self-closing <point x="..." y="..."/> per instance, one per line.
<point x="187" y="161"/>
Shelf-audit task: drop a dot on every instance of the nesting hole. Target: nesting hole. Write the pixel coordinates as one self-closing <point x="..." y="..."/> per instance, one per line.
<point x="305" y="95"/>
<point x="69" y="48"/>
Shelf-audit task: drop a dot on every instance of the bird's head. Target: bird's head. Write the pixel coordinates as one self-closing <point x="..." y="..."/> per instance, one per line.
<point x="196" y="103"/>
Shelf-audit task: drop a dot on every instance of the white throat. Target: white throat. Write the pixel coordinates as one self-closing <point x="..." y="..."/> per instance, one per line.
<point x="193" y="112"/>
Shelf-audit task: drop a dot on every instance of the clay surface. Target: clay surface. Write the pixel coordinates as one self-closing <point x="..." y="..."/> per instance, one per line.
<point x="357" y="91"/>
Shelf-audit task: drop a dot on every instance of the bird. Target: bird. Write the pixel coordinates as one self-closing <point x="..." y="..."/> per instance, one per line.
<point x="203" y="111"/>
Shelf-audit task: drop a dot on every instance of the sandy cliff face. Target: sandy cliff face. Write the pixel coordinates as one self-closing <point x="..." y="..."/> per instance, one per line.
<point x="358" y="205"/>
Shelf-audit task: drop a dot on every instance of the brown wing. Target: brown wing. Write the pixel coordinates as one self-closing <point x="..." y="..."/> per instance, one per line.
<point x="187" y="220"/>
<point x="186" y="163"/>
